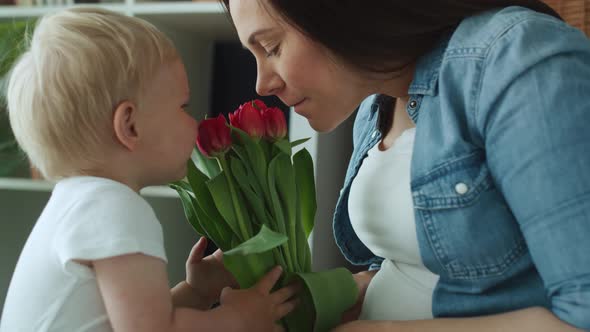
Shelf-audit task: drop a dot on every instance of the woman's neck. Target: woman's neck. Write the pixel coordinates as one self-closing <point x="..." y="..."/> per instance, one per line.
<point x="401" y="122"/>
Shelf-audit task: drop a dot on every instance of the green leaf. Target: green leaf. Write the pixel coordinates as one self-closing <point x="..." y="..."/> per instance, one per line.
<point x="331" y="292"/>
<point x="248" y="269"/>
<point x="9" y="146"/>
<point x="7" y="167"/>
<point x="182" y="184"/>
<point x="247" y="185"/>
<point x="303" y="250"/>
<point x="277" y="209"/>
<point x="12" y="43"/>
<point x="254" y="154"/>
<point x="222" y="198"/>
<point x="198" y="184"/>
<point x="252" y="259"/>
<point x="217" y="230"/>
<point x="304" y="177"/>
<point x="284" y="146"/>
<point x="208" y="166"/>
<point x="299" y="142"/>
<point x="201" y="222"/>
<point x="287" y="192"/>
<point x="189" y="212"/>
<point x="266" y="147"/>
<point x="264" y="241"/>
<point x="241" y="153"/>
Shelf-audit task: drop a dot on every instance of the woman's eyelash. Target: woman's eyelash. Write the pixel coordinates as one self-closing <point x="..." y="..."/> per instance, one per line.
<point x="273" y="52"/>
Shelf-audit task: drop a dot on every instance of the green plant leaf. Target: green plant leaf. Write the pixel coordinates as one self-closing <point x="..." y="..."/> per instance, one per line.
<point x="299" y="142"/>
<point x="284" y="146"/>
<point x="254" y="154"/>
<point x="9" y="146"/>
<point x="189" y="211"/>
<point x="266" y="147"/>
<point x="9" y="166"/>
<point x="332" y="292"/>
<point x="255" y="199"/>
<point x="248" y="269"/>
<point x="217" y="230"/>
<point x="182" y="184"/>
<point x="208" y="166"/>
<point x="198" y="184"/>
<point x="284" y="178"/>
<point x="303" y="250"/>
<point x="277" y="209"/>
<point x="241" y="153"/>
<point x="222" y="198"/>
<point x="250" y="260"/>
<point x="304" y="177"/>
<point x="265" y="240"/>
<point x="302" y="318"/>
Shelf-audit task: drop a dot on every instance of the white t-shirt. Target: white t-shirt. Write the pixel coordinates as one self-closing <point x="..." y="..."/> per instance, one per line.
<point x="86" y="218"/>
<point x="382" y="215"/>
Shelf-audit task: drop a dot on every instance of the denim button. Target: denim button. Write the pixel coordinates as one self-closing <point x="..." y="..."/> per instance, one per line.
<point x="461" y="188"/>
<point x="413" y="104"/>
<point x="374" y="134"/>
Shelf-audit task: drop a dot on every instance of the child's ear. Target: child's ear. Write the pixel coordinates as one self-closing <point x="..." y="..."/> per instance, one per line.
<point x="125" y="124"/>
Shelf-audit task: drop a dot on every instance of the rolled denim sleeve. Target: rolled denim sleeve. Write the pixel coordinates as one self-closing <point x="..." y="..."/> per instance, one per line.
<point x="534" y="119"/>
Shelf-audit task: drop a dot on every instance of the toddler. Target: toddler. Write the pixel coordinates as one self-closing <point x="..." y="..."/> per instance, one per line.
<point x="97" y="103"/>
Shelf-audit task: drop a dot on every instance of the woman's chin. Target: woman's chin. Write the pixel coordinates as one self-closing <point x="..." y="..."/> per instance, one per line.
<point x="322" y="127"/>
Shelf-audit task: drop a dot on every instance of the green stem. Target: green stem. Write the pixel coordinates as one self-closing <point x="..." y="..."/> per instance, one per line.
<point x="278" y="258"/>
<point x="287" y="256"/>
<point x="237" y="208"/>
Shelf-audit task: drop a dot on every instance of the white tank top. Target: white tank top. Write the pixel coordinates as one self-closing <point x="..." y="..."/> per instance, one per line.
<point x="382" y="215"/>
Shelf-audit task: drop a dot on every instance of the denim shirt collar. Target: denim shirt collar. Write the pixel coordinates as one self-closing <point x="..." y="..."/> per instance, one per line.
<point x="427" y="70"/>
<point x="425" y="75"/>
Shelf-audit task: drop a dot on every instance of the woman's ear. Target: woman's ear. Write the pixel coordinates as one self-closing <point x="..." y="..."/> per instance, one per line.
<point x="125" y="125"/>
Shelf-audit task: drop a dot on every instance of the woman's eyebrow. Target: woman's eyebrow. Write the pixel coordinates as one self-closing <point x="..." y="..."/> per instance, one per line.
<point x="255" y="34"/>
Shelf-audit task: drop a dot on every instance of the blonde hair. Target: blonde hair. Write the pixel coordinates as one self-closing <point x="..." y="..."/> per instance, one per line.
<point x="81" y="63"/>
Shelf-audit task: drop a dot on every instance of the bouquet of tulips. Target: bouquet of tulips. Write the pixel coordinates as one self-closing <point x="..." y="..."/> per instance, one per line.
<point x="255" y="200"/>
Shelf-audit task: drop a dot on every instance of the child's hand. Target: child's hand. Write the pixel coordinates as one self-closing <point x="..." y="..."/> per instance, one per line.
<point x="207" y="276"/>
<point x="256" y="308"/>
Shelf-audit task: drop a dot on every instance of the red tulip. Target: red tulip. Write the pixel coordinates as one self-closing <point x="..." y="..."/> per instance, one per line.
<point x="275" y="123"/>
<point x="248" y="119"/>
<point x="259" y="104"/>
<point x="214" y="138"/>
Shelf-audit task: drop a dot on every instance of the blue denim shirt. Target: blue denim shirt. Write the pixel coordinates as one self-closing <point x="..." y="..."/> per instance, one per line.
<point x="500" y="175"/>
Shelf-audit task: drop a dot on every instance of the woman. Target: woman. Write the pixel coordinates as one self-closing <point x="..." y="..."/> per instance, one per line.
<point x="468" y="191"/>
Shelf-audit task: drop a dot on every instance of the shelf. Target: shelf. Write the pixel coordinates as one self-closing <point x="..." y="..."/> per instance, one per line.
<point x="12" y="13"/>
<point x="208" y="19"/>
<point x="47" y="186"/>
<point x="25" y="184"/>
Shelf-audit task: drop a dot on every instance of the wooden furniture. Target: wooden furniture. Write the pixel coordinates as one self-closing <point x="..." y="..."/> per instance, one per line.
<point x="575" y="12"/>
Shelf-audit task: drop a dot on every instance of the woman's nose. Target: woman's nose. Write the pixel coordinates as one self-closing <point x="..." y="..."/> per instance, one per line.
<point x="268" y="82"/>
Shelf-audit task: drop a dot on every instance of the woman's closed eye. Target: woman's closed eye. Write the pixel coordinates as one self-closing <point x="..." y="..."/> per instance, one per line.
<point x="274" y="51"/>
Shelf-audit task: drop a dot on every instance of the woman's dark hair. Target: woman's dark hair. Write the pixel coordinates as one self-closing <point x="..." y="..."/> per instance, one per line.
<point x="383" y="36"/>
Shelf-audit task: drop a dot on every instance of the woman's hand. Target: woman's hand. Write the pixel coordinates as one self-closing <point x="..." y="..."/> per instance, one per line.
<point x="207" y="276"/>
<point x="362" y="280"/>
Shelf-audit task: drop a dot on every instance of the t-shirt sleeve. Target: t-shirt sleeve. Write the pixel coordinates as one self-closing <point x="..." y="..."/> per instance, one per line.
<point x="109" y="223"/>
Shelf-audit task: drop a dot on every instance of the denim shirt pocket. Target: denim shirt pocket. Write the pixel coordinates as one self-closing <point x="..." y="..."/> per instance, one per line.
<point x="465" y="220"/>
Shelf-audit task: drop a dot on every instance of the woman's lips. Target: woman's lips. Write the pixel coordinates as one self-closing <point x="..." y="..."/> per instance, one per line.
<point x="297" y="106"/>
